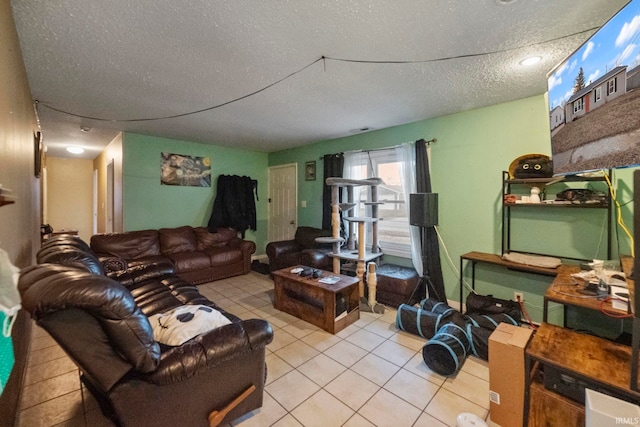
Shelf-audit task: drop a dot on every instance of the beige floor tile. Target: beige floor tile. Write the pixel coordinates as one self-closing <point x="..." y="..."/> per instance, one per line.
<point x="45" y="355"/>
<point x="314" y="412"/>
<point x="296" y="353"/>
<point x="41" y="342"/>
<point x="300" y="329"/>
<point x="348" y="330"/>
<point x="382" y="328"/>
<point x="52" y="412"/>
<point x="352" y="389"/>
<point x="270" y="412"/>
<point x="389" y="316"/>
<point x="427" y="420"/>
<point x="375" y="369"/>
<point x="470" y="387"/>
<point x="446" y="406"/>
<point x="287" y="421"/>
<point x="410" y="387"/>
<point x="321" y="369"/>
<point x="394" y="353"/>
<point x="51" y="388"/>
<point x="386" y="409"/>
<point x="281" y="319"/>
<point x="365" y="339"/>
<point x="321" y="340"/>
<point x="281" y="339"/>
<point x="358" y="421"/>
<point x="417" y="366"/>
<point x="292" y="389"/>
<point x="276" y="367"/>
<point x="46" y="370"/>
<point x="411" y="341"/>
<point x="476" y="366"/>
<point x="346" y="353"/>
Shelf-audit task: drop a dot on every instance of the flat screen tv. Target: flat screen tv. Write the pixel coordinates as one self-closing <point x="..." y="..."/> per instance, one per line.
<point x="594" y="99"/>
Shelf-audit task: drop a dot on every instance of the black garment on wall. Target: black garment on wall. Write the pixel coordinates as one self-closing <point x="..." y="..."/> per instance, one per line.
<point x="430" y="246"/>
<point x="333" y="164"/>
<point x="235" y="204"/>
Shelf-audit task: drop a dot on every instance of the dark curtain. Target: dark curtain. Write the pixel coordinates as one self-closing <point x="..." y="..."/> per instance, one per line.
<point x="430" y="248"/>
<point x="234" y="205"/>
<point x="333" y="164"/>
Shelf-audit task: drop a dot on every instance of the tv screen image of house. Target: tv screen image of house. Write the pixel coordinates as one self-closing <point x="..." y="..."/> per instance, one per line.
<point x="594" y="99"/>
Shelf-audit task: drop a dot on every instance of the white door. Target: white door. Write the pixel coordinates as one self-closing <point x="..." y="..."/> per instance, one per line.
<point x="283" y="200"/>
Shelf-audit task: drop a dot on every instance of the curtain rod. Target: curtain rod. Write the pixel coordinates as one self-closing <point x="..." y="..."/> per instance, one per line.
<point x="433" y="140"/>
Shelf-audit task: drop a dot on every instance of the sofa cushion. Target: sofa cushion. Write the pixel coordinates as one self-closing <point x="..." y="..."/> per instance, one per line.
<point x="222" y="256"/>
<point x="187" y="261"/>
<point x="175" y="240"/>
<point x="129" y="245"/>
<point x="184" y="323"/>
<point x="205" y="239"/>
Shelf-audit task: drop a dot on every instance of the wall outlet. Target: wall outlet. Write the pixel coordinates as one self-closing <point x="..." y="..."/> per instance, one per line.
<point x="518" y="295"/>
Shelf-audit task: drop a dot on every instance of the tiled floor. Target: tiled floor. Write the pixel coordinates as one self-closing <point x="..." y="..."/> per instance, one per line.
<point x="369" y="374"/>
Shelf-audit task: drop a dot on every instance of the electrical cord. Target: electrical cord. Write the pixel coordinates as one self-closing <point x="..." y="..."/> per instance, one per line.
<point x="619" y="212"/>
<point x="451" y="263"/>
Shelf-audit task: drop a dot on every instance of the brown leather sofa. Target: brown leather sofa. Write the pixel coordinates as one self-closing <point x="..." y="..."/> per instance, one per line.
<point x="198" y="255"/>
<point x="101" y="323"/>
<point x="301" y="250"/>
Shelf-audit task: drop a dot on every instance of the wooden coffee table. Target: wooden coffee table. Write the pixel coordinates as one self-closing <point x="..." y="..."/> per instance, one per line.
<point x="315" y="302"/>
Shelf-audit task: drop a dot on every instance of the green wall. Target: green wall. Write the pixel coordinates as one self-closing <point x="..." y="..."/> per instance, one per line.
<point x="147" y="204"/>
<point x="472" y="150"/>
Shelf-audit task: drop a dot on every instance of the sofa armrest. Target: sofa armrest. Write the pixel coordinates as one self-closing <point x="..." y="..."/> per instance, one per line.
<point x="317" y="258"/>
<point x="211" y="349"/>
<point x="275" y="249"/>
<point x="138" y="271"/>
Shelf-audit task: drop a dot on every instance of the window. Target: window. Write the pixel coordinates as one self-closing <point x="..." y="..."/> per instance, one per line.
<point x="578" y="105"/>
<point x="598" y="93"/>
<point x="611" y="86"/>
<point x="393" y="228"/>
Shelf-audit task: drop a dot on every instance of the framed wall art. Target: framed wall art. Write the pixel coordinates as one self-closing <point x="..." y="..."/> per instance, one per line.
<point x="178" y="169"/>
<point x="310" y="171"/>
<point x="37" y="154"/>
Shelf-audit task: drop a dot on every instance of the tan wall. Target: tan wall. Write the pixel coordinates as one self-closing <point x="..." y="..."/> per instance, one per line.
<point x="70" y="195"/>
<point x="113" y="152"/>
<point x="20" y="221"/>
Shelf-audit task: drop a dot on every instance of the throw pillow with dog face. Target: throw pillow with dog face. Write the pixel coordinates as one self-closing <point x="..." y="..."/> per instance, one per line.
<point x="183" y="323"/>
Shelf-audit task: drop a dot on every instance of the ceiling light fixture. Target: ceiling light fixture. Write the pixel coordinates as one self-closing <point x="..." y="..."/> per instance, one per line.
<point x="505" y="1"/>
<point x="530" y="60"/>
<point x="85" y="129"/>
<point x="74" y="149"/>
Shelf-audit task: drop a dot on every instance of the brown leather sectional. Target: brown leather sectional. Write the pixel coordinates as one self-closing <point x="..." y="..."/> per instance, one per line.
<point x="197" y="255"/>
<point x="101" y="321"/>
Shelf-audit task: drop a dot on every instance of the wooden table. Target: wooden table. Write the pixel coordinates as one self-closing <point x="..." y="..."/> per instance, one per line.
<point x="315" y="302"/>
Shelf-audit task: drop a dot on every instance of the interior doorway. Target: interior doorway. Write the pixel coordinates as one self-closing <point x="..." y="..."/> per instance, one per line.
<point x="283" y="202"/>
<point x="110" y="179"/>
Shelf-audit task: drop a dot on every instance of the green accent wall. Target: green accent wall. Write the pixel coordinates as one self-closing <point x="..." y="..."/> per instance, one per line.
<point x="148" y="205"/>
<point x="472" y="150"/>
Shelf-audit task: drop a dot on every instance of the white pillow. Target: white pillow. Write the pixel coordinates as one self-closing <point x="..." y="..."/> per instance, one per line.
<point x="179" y="325"/>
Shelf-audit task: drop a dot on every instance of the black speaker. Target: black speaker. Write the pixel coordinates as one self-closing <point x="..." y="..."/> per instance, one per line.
<point x="423" y="209"/>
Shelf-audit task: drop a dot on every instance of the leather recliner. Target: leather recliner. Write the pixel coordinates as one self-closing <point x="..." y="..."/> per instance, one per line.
<point x="301" y="250"/>
<point x="101" y="323"/>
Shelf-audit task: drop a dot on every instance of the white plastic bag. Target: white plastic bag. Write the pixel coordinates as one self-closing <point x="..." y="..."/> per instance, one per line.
<point x="9" y="296"/>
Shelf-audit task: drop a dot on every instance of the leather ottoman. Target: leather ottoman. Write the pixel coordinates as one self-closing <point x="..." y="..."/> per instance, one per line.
<point x="396" y="284"/>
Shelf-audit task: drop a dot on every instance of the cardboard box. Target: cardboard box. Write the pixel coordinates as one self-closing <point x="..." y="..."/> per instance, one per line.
<point x="506" y="374"/>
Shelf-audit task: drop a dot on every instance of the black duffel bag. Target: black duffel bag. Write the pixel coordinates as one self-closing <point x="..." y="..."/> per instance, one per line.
<point x="488" y="304"/>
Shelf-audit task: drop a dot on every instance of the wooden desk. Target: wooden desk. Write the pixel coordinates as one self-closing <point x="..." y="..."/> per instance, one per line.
<point x="476" y="257"/>
<point x="564" y="290"/>
<point x="590" y="361"/>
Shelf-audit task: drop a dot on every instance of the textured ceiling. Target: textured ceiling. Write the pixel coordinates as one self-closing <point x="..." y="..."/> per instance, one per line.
<point x="133" y="63"/>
